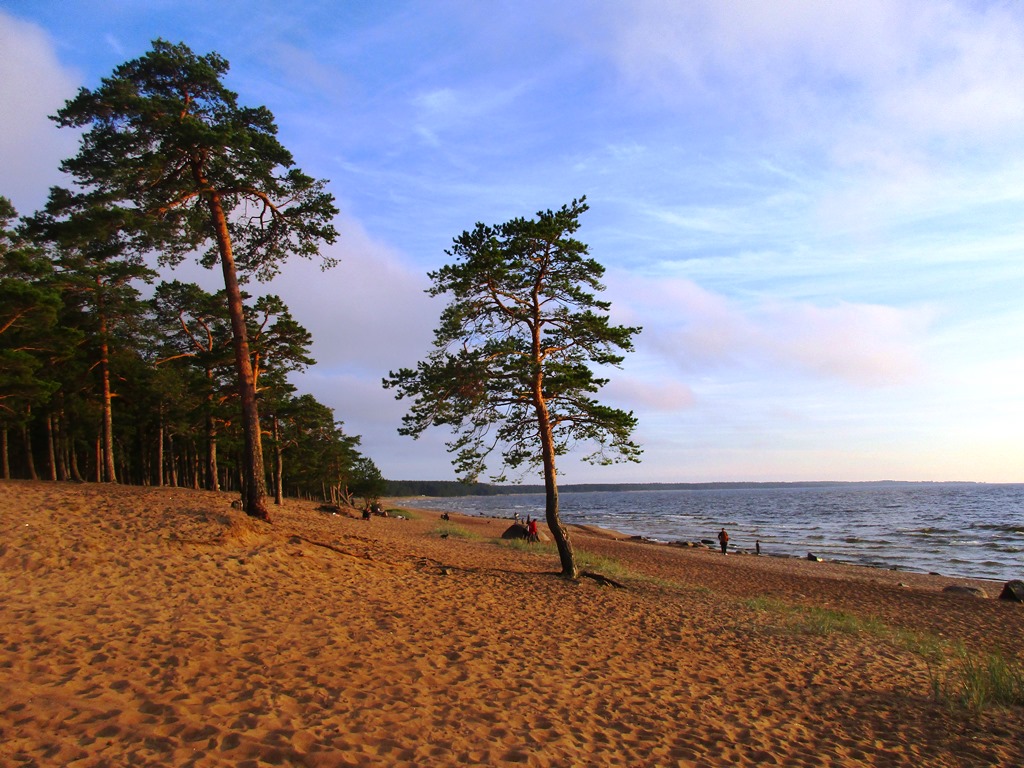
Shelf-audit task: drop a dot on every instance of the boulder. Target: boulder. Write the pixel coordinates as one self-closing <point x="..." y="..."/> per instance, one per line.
<point x="1013" y="590"/>
<point x="960" y="589"/>
<point x="813" y="558"/>
<point x="515" y="531"/>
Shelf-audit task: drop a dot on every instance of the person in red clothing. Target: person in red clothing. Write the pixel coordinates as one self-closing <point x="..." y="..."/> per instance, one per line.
<point x="531" y="531"/>
<point x="723" y="539"/>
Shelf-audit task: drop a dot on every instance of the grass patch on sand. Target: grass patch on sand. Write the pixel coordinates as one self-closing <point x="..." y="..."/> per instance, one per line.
<point x="976" y="681"/>
<point x="446" y="530"/>
<point x="813" y="620"/>
<point x="959" y="678"/>
<point x="405" y="514"/>
<point x="587" y="561"/>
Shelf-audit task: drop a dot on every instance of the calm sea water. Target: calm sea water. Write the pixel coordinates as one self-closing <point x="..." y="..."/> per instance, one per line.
<point x="949" y="528"/>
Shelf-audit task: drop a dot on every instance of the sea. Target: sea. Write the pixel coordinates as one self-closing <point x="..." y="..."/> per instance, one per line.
<point x="954" y="529"/>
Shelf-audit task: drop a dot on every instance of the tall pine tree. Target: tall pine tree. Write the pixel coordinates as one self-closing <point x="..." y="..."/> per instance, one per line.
<point x="188" y="168"/>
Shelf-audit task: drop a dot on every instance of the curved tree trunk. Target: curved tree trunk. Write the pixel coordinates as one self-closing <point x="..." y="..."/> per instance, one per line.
<point x="570" y="569"/>
<point x="566" y="555"/>
<point x="254" y="487"/>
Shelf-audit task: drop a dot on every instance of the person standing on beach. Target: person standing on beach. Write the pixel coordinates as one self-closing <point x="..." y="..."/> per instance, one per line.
<point x="723" y="539"/>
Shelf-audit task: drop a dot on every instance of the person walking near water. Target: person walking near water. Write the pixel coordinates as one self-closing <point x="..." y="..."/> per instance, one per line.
<point x="723" y="539"/>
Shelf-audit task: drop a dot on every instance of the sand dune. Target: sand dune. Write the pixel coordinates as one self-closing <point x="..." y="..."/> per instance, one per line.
<point x="156" y="627"/>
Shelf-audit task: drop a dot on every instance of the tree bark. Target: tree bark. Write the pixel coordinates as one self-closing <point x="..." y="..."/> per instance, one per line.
<point x="570" y="569"/>
<point x="5" y="458"/>
<point x="108" y="416"/>
<point x="172" y="464"/>
<point x="76" y="473"/>
<point x="160" y="451"/>
<point x="51" y="450"/>
<point x="63" y="465"/>
<point x="254" y="489"/>
<point x="27" y="438"/>
<point x="278" y="465"/>
<point x="212" y="478"/>
<point x="565" y="551"/>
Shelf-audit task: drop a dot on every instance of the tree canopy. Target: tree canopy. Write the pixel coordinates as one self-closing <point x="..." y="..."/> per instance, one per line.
<point x="169" y="164"/>
<point x="172" y="157"/>
<point x="517" y="353"/>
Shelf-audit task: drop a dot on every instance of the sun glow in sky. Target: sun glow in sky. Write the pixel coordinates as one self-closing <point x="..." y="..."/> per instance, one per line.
<point x="815" y="210"/>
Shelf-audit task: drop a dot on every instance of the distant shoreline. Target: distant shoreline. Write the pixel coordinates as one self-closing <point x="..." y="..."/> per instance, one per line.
<point x="445" y="488"/>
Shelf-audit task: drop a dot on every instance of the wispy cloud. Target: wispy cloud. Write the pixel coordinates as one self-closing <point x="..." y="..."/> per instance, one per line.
<point x="812" y="208"/>
<point x="33" y="85"/>
<point x="703" y="333"/>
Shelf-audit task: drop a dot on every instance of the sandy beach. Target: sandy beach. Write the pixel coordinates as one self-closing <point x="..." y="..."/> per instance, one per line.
<point x="160" y="627"/>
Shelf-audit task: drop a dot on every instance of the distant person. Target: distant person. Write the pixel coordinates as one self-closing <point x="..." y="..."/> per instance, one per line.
<point x="757" y="546"/>
<point x="445" y="516"/>
<point x="531" y="531"/>
<point x="723" y="539"/>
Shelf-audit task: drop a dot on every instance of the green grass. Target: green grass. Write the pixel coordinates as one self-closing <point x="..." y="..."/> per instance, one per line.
<point x="813" y="620"/>
<point x="450" y="530"/>
<point x="974" y="681"/>
<point x="959" y="678"/>
<point x="586" y="561"/>
<point x="405" y="514"/>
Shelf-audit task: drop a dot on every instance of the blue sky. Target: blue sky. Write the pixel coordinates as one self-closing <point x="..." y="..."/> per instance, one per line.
<point x="813" y="209"/>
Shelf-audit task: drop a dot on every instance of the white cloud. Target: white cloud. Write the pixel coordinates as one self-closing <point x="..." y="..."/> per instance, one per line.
<point x="33" y="84"/>
<point x="860" y="344"/>
<point x="704" y="333"/>
<point x="647" y="393"/>
<point x="898" y="75"/>
<point x="370" y="313"/>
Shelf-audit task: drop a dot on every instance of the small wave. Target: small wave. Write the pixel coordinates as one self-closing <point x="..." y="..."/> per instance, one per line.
<point x="978" y="563"/>
<point x="997" y="528"/>
<point x="933" y="531"/>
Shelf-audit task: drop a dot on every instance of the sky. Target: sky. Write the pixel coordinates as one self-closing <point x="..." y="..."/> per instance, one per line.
<point x="814" y="210"/>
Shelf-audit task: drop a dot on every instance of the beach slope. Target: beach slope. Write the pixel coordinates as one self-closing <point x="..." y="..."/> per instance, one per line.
<point x="157" y="627"/>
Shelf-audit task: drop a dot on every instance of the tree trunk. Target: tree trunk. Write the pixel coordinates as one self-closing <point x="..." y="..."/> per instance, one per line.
<point x="172" y="465"/>
<point x="76" y="473"/>
<point x="51" y="450"/>
<point x="254" y="490"/>
<point x="212" y="478"/>
<point x="197" y="470"/>
<point x="63" y="470"/>
<point x="108" y="417"/>
<point x="26" y="435"/>
<point x="278" y="465"/>
<point x="5" y="458"/>
<point x="570" y="569"/>
<point x="160" y="451"/>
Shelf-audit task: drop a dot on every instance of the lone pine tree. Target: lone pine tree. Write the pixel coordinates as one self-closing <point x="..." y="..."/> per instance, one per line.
<point x="515" y="354"/>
